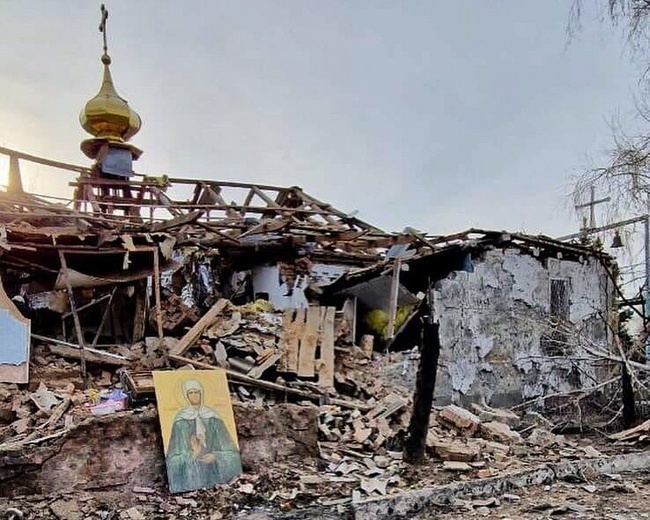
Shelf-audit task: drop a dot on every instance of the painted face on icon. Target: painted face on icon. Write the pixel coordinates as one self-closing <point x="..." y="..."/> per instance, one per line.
<point x="194" y="397"/>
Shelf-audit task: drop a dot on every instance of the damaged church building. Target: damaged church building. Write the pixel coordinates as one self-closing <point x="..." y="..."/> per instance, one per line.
<point x="320" y="322"/>
<point x="512" y="309"/>
<point x="514" y="312"/>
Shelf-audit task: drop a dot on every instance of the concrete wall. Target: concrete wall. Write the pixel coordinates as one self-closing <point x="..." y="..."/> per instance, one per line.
<point x="493" y="320"/>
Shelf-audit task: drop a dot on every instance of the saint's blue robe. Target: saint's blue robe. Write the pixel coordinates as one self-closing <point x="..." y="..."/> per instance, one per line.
<point x="185" y="471"/>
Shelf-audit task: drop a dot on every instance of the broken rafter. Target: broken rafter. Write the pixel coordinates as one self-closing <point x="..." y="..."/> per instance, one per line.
<point x="105" y="314"/>
<point x="89" y="304"/>
<point x="193" y="334"/>
<point x="73" y="351"/>
<point x="278" y="200"/>
<point x="181" y="220"/>
<point x="75" y="315"/>
<point x="288" y="201"/>
<point x="247" y="201"/>
<point x="212" y="207"/>
<point x="343" y="216"/>
<point x="43" y="161"/>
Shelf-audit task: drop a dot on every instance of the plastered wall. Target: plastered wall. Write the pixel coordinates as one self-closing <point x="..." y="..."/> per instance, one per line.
<point x="493" y="320"/>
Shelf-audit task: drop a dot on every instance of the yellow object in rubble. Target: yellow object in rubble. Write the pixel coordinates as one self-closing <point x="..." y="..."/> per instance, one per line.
<point x="93" y="395"/>
<point x="377" y="319"/>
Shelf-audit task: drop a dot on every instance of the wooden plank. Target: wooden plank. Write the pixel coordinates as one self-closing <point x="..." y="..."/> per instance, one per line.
<point x="156" y="292"/>
<point x="89" y="304"/>
<point x="180" y="220"/>
<point x="326" y="365"/>
<point x="394" y="296"/>
<point x="299" y="326"/>
<point x="140" y="311"/>
<point x="193" y="334"/>
<point x="632" y="433"/>
<point x="247" y="201"/>
<point x="293" y="325"/>
<point x="75" y="316"/>
<point x="283" y="344"/>
<point x="102" y="323"/>
<point x="43" y="161"/>
<point x="265" y="198"/>
<point x="308" y="343"/>
<point x="88" y="354"/>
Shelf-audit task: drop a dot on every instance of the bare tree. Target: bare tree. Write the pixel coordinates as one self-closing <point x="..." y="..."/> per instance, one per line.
<point x="611" y="380"/>
<point x="631" y="15"/>
<point x="625" y="177"/>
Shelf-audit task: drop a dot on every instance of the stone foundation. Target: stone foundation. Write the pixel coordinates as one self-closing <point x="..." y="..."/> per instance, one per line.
<point x="126" y="449"/>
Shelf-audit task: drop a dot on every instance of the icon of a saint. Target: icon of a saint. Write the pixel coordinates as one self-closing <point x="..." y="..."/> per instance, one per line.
<point x="201" y="451"/>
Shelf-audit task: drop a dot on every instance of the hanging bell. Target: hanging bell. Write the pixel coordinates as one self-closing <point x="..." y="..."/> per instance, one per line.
<point x="617" y="241"/>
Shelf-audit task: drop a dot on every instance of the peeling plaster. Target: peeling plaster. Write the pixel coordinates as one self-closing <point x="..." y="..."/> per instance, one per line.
<point x="462" y="374"/>
<point x="490" y="278"/>
<point x="526" y="272"/>
<point x="492" y="322"/>
<point x="482" y="342"/>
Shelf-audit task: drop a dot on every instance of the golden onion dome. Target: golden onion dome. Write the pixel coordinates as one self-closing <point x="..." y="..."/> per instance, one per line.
<point x="107" y="115"/>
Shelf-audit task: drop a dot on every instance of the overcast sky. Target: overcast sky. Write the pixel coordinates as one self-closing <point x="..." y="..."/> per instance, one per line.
<point x="434" y="114"/>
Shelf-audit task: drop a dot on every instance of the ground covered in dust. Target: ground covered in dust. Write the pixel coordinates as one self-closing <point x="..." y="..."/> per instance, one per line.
<point x="614" y="497"/>
<point x="609" y="497"/>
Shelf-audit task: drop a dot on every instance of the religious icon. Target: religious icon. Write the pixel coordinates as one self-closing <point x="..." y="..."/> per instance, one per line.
<point x="198" y="428"/>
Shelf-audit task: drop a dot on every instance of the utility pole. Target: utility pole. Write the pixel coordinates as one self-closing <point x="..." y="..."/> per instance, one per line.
<point x="585" y="231"/>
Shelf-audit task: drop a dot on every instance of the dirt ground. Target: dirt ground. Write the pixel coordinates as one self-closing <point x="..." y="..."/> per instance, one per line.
<point x="611" y="497"/>
<point x="615" y="497"/>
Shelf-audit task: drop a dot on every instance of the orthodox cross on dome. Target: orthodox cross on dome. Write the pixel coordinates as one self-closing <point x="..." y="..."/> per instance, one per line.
<point x="108" y="116"/>
<point x="111" y="122"/>
<point x="102" y="26"/>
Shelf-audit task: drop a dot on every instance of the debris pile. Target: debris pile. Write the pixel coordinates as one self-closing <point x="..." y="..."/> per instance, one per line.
<point x="244" y="339"/>
<point x="466" y="445"/>
<point x="277" y="289"/>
